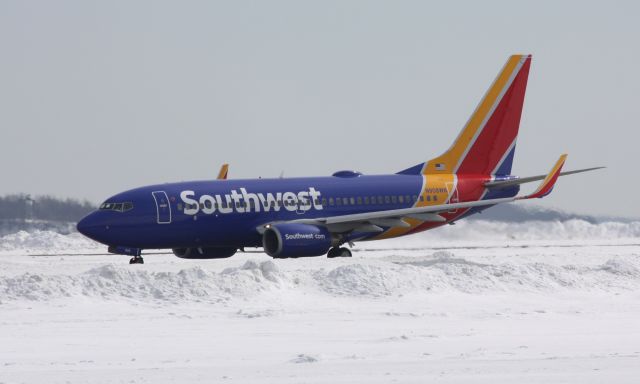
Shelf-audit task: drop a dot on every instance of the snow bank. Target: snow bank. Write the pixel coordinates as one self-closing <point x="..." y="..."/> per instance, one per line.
<point x="378" y="274"/>
<point x="439" y="273"/>
<point x="539" y="230"/>
<point x="463" y="231"/>
<point x="111" y="281"/>
<point x="480" y="232"/>
<point x="45" y="241"/>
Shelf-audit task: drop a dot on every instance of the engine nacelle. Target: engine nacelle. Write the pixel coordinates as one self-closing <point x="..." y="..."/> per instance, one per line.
<point x="296" y="240"/>
<point x="204" y="252"/>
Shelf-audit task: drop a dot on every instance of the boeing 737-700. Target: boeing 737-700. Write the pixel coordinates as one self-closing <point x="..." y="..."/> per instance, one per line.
<point x="314" y="216"/>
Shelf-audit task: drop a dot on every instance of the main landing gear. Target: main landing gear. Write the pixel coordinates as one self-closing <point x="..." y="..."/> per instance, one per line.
<point x="136" y="260"/>
<point x="339" y="252"/>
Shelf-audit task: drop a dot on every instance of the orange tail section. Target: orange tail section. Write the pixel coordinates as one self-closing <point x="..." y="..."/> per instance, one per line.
<point x="487" y="142"/>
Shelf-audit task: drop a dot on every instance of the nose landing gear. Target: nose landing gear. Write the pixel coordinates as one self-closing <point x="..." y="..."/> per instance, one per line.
<point x="135" y="252"/>
<point x="136" y="260"/>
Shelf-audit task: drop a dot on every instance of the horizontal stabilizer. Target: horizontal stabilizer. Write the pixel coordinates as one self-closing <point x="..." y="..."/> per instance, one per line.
<point x="523" y="180"/>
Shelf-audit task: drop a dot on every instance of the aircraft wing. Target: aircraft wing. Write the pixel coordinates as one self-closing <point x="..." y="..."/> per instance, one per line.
<point x="224" y="172"/>
<point x="394" y="217"/>
<point x="373" y="221"/>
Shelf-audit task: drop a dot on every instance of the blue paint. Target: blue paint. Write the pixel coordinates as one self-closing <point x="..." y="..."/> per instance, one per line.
<point x="145" y="226"/>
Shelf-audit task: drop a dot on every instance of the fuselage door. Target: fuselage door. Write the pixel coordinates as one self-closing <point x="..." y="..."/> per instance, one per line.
<point x="453" y="193"/>
<point x="163" y="207"/>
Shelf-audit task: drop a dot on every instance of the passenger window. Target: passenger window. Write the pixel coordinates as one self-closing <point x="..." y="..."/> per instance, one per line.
<point x="352" y="201"/>
<point x="394" y="199"/>
<point x="345" y="201"/>
<point x="380" y="200"/>
<point x="338" y="201"/>
<point x="387" y="199"/>
<point x="401" y="199"/>
<point x="331" y="201"/>
<point x="435" y="197"/>
<point x="366" y="200"/>
<point x="428" y="198"/>
<point x="359" y="200"/>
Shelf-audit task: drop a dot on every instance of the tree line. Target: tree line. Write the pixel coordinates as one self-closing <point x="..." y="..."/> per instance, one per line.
<point x="25" y="207"/>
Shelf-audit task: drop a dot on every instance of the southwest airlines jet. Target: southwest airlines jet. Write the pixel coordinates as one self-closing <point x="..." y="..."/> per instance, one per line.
<point x="313" y="216"/>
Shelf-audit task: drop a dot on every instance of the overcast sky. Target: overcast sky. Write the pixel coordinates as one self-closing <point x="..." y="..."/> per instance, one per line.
<point x="99" y="97"/>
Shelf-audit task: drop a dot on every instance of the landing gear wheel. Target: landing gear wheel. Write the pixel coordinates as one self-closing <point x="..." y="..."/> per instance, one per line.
<point x="136" y="260"/>
<point x="339" y="252"/>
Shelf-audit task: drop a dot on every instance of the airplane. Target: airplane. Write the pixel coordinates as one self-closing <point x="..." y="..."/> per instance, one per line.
<point x="315" y="216"/>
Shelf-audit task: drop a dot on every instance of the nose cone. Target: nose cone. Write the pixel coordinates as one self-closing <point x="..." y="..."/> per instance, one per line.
<point x="92" y="227"/>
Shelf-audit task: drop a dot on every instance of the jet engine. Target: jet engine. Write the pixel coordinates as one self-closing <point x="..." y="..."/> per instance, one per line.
<point x="296" y="240"/>
<point x="204" y="252"/>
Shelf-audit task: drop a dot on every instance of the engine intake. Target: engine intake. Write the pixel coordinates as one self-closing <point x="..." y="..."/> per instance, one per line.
<point x="296" y="240"/>
<point x="204" y="252"/>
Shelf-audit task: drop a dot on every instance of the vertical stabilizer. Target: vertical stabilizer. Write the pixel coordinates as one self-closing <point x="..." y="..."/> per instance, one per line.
<point x="487" y="142"/>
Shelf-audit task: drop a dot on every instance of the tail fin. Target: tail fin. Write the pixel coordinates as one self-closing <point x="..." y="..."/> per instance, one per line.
<point x="487" y="142"/>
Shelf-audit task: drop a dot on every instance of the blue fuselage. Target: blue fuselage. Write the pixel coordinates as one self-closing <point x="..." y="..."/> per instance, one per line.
<point x="221" y="220"/>
<point x="227" y="213"/>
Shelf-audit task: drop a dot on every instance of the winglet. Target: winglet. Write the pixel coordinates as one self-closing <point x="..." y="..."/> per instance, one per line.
<point x="547" y="184"/>
<point x="224" y="171"/>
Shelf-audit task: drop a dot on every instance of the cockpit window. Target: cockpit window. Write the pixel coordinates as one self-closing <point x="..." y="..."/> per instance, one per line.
<point x="118" y="207"/>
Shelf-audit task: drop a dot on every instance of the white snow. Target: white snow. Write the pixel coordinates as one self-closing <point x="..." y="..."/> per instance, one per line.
<point x="45" y="241"/>
<point x="478" y="301"/>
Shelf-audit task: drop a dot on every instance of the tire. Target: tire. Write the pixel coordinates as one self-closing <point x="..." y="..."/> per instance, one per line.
<point x="333" y="252"/>
<point x="345" y="252"/>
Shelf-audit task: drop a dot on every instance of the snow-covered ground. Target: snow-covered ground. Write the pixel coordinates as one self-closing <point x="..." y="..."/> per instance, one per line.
<point x="475" y="302"/>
